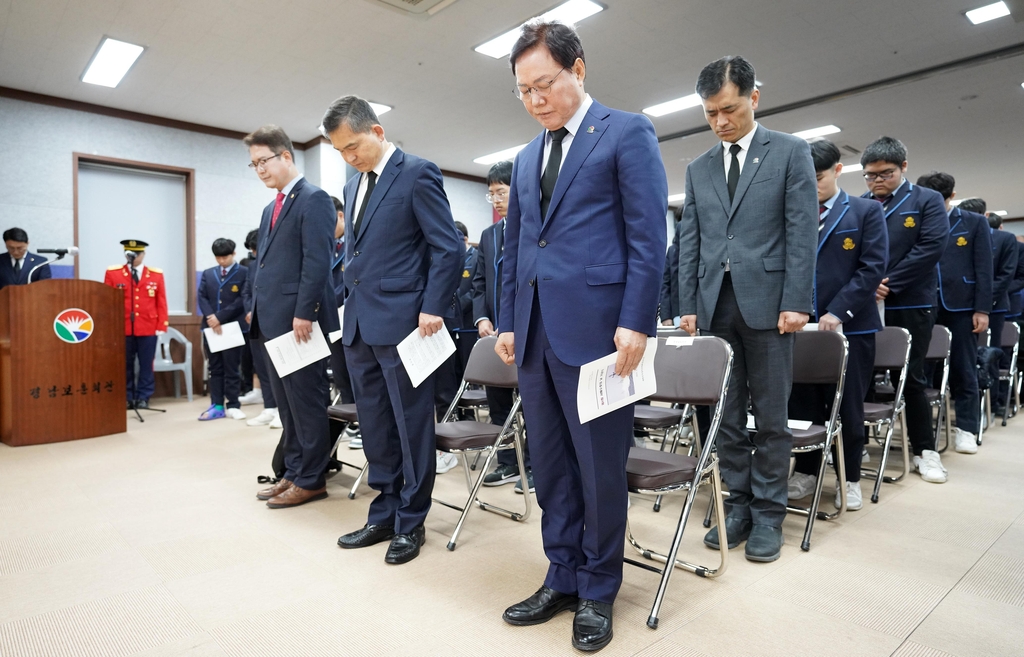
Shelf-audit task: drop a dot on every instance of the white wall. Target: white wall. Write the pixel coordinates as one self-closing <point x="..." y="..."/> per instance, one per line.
<point x="469" y="205"/>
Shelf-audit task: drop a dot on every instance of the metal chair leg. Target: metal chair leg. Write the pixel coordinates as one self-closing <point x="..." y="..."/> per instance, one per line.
<point x="359" y="478"/>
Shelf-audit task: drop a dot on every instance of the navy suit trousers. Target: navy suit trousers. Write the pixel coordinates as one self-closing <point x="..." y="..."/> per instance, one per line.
<point x="919" y="322"/>
<point x="963" y="368"/>
<point x="145" y="348"/>
<point x="225" y="376"/>
<point x="397" y="423"/>
<point x="260" y="363"/>
<point x="579" y="472"/>
<point x="499" y="405"/>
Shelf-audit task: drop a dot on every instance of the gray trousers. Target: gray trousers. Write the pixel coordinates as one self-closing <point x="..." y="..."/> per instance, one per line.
<point x="754" y="467"/>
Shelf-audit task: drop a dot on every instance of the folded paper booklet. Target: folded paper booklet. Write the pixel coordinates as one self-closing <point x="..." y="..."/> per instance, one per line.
<point x="334" y="336"/>
<point x="230" y="336"/>
<point x="289" y="355"/>
<point x="602" y="391"/>
<point x="421" y="356"/>
<point x="811" y="326"/>
<point x="799" y="425"/>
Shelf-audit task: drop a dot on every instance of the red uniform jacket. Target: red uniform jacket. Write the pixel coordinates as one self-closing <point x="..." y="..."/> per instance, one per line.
<point x="150" y="304"/>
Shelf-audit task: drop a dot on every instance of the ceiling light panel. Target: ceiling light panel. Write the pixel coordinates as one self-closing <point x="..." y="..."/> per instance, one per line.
<point x="380" y="109"/>
<point x="661" y="109"/>
<point x="988" y="13"/>
<point x="852" y="168"/>
<point x="677" y="198"/>
<point x="111" y="62"/>
<point x="570" y="13"/>
<point x="817" y="132"/>
<point x="500" y="156"/>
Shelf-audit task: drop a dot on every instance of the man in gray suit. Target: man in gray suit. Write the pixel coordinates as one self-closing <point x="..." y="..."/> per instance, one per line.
<point x="746" y="269"/>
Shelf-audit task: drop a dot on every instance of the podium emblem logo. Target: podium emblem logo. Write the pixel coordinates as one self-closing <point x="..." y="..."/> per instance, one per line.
<point x="73" y="325"/>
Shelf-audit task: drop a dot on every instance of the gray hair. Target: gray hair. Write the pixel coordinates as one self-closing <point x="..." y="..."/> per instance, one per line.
<point x="351" y="110"/>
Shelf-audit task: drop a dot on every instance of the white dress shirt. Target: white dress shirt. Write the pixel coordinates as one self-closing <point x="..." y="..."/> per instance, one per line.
<point x="15" y="261"/>
<point x="291" y="185"/>
<point x="573" y="127"/>
<point x="364" y="179"/>
<point x="744" y="143"/>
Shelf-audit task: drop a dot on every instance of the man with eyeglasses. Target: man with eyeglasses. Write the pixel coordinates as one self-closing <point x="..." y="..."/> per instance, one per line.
<point x="290" y="290"/>
<point x="918" y="227"/>
<point x="583" y="241"/>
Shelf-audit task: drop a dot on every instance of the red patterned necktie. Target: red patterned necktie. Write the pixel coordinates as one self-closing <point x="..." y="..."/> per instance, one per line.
<point x="277" y="209"/>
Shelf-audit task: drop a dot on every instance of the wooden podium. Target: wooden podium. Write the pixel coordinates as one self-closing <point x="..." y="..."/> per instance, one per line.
<point x="61" y="361"/>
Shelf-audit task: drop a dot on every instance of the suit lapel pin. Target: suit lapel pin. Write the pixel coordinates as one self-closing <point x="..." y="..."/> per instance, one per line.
<point x="756" y="160"/>
<point x="590" y="130"/>
<point x="292" y="196"/>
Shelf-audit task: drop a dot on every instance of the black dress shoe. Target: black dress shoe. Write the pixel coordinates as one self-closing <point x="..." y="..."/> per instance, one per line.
<point x="131" y="405"/>
<point x="765" y="543"/>
<point x="406" y="547"/>
<point x="367" y="536"/>
<point x="540" y="607"/>
<point x="142" y="403"/>
<point x="737" y="529"/>
<point x="592" y="627"/>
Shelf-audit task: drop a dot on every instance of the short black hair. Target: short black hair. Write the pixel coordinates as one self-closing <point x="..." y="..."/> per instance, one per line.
<point x="15" y="235"/>
<point x="222" y="246"/>
<point x="884" y="149"/>
<point x="271" y="136"/>
<point x="339" y="206"/>
<point x="351" y="110"/>
<point x="251" y="238"/>
<point x="825" y="154"/>
<point x="994" y="220"/>
<point x="500" y="173"/>
<point x="974" y="205"/>
<point x="462" y="229"/>
<point x="733" y="69"/>
<point x="560" y="39"/>
<point x="941" y="182"/>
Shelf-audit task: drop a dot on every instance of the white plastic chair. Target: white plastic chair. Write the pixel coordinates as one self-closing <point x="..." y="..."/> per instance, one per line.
<point x="164" y="363"/>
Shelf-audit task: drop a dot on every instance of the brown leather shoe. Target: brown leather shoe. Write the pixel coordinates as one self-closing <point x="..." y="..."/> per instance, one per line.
<point x="295" y="496"/>
<point x="274" y="490"/>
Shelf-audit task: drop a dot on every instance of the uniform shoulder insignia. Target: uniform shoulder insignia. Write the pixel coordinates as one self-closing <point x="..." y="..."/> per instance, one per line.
<point x="156" y="270"/>
<point x="114" y="267"/>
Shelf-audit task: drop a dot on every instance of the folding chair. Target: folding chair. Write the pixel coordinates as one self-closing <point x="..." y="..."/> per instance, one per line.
<point x="984" y="395"/>
<point x="938" y="398"/>
<point x="819" y="357"/>
<point x="466" y="437"/>
<point x="696" y="374"/>
<point x="346" y="414"/>
<point x="1011" y="340"/>
<point x="892" y="352"/>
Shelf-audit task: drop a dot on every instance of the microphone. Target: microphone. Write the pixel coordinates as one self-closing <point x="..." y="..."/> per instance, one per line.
<point x="131" y="255"/>
<point x="71" y="250"/>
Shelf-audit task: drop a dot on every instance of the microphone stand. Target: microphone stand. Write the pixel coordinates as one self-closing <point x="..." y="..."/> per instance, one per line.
<point x="44" y="262"/>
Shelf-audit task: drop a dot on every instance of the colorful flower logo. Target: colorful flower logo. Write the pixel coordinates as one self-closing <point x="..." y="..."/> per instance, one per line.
<point x="73" y="325"/>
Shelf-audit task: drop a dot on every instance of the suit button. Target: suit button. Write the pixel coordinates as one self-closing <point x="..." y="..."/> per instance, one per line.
<point x="730" y="237"/>
<point x="355" y="254"/>
<point x="542" y="243"/>
<point x="532" y="281"/>
<point x="723" y="265"/>
<point x="356" y="281"/>
<point x="261" y="265"/>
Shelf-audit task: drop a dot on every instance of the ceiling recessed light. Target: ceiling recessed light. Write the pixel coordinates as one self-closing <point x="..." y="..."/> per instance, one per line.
<point x="851" y="168"/>
<point x="380" y="109"/>
<point x="661" y="109"/>
<point x="988" y="12"/>
<point x="500" y="156"/>
<point x="110" y="62"/>
<point x="957" y="201"/>
<point x="1001" y="213"/>
<point x="570" y="13"/>
<point x="817" y="132"/>
<point x="676" y="198"/>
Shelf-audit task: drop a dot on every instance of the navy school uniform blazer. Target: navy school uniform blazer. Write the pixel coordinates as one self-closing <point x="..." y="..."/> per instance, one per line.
<point x="1016" y="290"/>
<point x="853" y="252"/>
<point x="918" y="226"/>
<point x="669" y="307"/>
<point x="223" y="296"/>
<point x="1004" y="265"/>
<point x="965" y="270"/>
<point x="7" y="276"/>
<point x="405" y="259"/>
<point x="487" y="274"/>
<point x="469" y="260"/>
<point x="338" y="276"/>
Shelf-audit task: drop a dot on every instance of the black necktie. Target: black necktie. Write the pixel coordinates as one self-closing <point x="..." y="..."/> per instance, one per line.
<point x="550" y="177"/>
<point x="734" y="170"/>
<point x="371" y="181"/>
<point x="135" y="274"/>
<point x="17" y="268"/>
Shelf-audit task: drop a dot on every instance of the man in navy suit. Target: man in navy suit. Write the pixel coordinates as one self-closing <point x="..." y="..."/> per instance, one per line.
<point x="918" y="227"/>
<point x="582" y="268"/>
<point x="15" y="269"/>
<point x="401" y="273"/>
<point x="290" y="291"/>
<point x="1004" y="266"/>
<point x="853" y="248"/>
<point x="746" y="273"/>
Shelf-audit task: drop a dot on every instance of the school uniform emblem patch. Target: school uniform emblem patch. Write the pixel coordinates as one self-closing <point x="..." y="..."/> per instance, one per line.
<point x="961" y="241"/>
<point x="910" y="223"/>
<point x="848" y="244"/>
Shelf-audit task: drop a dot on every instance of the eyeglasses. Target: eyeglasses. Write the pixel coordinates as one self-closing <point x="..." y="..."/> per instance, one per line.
<point x="522" y="92"/>
<point x="495" y="196"/>
<point x="885" y="175"/>
<point x="261" y="164"/>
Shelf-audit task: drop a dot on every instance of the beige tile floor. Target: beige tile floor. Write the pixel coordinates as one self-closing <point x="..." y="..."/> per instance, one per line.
<point x="152" y="543"/>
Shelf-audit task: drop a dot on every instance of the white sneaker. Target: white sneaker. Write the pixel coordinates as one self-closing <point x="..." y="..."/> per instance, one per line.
<point x="264" y="418"/>
<point x="355" y="443"/>
<point x="929" y="464"/>
<point x="864" y="457"/>
<point x="235" y="413"/>
<point x="276" y="422"/>
<point x="445" y="462"/>
<point x="965" y="441"/>
<point x="254" y="396"/>
<point x="854" y="497"/>
<point x="801" y="485"/>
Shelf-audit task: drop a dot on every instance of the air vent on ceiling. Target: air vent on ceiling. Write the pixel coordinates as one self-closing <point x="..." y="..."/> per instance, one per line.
<point x="850" y="149"/>
<point x="415" y="7"/>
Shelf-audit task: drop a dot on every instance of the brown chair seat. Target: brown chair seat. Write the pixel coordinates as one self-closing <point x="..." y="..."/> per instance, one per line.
<point x="473" y="398"/>
<point x="343" y="412"/>
<point x="812" y="435"/>
<point x="932" y="395"/>
<point x="465" y="434"/>
<point x="655" y="417"/>
<point x="877" y="412"/>
<point x="652" y="469"/>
